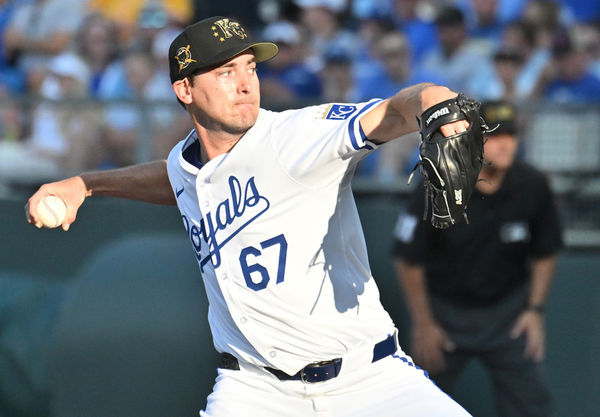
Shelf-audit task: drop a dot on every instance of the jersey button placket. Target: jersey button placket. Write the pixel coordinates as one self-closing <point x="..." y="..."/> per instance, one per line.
<point x="202" y="193"/>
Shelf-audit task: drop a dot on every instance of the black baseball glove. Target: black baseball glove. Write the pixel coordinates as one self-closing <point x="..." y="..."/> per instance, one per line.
<point x="450" y="165"/>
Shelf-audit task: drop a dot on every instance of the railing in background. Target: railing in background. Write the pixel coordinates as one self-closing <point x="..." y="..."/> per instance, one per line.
<point x="562" y="140"/>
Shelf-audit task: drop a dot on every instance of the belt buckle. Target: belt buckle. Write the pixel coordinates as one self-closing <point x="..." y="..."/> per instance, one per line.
<point x="306" y="377"/>
<point x="303" y="376"/>
<point x="333" y="365"/>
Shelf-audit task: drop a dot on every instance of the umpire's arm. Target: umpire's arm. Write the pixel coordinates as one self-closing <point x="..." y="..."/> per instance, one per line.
<point x="398" y="115"/>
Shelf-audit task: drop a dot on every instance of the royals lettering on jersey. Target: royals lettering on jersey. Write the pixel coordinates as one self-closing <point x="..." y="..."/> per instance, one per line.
<point x="243" y="206"/>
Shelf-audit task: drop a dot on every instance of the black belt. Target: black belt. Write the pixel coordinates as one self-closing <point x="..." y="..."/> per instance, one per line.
<point x="319" y="371"/>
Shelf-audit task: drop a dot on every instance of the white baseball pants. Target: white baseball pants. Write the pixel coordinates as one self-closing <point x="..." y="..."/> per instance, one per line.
<point x="390" y="387"/>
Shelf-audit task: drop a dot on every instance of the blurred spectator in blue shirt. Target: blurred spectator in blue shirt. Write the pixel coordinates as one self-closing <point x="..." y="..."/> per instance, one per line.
<point x="396" y="69"/>
<point x="39" y="31"/>
<point x="416" y="20"/>
<point x="364" y="9"/>
<point x="510" y="10"/>
<point x="457" y="58"/>
<point x="501" y="80"/>
<point x="286" y="78"/>
<point x="127" y="122"/>
<point x="517" y="66"/>
<point x="323" y="31"/>
<point x="393" y="51"/>
<point x="544" y="15"/>
<point x="97" y="43"/>
<point x="372" y="24"/>
<point x="582" y="10"/>
<point x="506" y="10"/>
<point x="521" y="35"/>
<point x="486" y="26"/>
<point x="12" y="79"/>
<point x="338" y="78"/>
<point x="568" y="78"/>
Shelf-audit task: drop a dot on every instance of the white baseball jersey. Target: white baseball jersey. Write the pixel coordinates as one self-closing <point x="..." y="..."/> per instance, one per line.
<point x="276" y="233"/>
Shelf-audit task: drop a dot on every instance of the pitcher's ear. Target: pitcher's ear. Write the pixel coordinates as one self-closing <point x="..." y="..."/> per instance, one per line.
<point x="183" y="90"/>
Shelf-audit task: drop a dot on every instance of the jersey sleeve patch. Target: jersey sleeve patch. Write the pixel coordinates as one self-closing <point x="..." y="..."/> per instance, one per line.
<point x="340" y="111"/>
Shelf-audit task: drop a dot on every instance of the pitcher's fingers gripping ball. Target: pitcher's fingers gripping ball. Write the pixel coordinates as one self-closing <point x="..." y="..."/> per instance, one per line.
<point x="51" y="211"/>
<point x="450" y="165"/>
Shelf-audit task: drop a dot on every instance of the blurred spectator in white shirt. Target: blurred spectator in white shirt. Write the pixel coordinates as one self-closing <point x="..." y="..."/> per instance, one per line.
<point x="65" y="129"/>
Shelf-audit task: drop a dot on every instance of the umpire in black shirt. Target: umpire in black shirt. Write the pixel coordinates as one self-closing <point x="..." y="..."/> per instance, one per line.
<point x="478" y="290"/>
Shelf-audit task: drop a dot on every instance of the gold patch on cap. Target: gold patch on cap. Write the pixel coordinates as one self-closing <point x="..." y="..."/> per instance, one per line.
<point x="184" y="57"/>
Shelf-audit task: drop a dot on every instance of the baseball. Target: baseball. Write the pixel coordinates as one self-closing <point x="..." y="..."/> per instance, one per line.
<point x="51" y="211"/>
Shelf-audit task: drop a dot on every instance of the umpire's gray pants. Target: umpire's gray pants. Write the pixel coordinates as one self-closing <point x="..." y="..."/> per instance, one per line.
<point x="483" y="333"/>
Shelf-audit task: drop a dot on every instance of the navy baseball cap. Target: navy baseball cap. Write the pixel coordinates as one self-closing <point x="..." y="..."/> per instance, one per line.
<point x="211" y="42"/>
<point x="500" y="115"/>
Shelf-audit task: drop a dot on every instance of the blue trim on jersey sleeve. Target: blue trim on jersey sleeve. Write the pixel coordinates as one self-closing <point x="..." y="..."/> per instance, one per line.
<point x="363" y="137"/>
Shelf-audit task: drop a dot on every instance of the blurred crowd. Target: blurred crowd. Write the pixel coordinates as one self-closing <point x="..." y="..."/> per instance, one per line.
<point x="84" y="83"/>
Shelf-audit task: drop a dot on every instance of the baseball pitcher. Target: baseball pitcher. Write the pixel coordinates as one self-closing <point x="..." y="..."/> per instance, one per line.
<point x="266" y="201"/>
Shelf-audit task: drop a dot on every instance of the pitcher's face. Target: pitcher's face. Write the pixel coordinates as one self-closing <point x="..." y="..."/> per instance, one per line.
<point x="228" y="97"/>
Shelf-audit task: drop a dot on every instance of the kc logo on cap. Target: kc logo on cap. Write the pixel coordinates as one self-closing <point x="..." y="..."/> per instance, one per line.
<point x="228" y="29"/>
